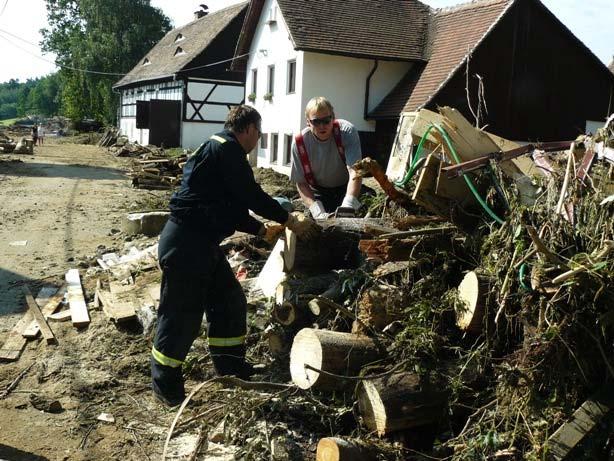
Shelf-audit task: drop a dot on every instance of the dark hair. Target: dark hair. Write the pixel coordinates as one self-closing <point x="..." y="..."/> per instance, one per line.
<point x="240" y="117"/>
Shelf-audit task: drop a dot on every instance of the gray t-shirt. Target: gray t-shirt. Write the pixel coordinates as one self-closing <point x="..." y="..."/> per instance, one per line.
<point x="328" y="169"/>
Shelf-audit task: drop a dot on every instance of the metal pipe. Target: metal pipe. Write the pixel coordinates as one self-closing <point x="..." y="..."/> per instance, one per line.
<point x="368" y="87"/>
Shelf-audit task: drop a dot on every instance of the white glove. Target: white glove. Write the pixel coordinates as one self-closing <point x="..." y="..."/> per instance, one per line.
<point x="317" y="210"/>
<point x="349" y="201"/>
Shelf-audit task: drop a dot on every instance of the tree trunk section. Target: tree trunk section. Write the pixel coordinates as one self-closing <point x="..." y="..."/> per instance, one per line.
<point x="399" y="401"/>
<point x="336" y="449"/>
<point x="473" y="293"/>
<point x="333" y="352"/>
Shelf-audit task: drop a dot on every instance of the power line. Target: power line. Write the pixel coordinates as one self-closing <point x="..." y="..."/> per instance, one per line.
<point x="94" y="71"/>
<point x="4" y="7"/>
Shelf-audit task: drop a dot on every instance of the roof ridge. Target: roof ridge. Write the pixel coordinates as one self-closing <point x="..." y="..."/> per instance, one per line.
<point x="468" y="5"/>
<point x="212" y="13"/>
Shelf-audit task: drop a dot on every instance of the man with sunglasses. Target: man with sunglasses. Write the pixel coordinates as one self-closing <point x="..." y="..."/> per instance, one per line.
<point x="217" y="191"/>
<point x="322" y="156"/>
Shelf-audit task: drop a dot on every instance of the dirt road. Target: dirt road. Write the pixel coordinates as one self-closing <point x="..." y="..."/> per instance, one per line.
<point x="56" y="209"/>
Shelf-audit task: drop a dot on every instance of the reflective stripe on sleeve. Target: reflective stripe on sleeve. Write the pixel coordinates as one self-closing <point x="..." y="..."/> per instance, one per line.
<point x="164" y="360"/>
<point x="227" y="342"/>
<point x="218" y="139"/>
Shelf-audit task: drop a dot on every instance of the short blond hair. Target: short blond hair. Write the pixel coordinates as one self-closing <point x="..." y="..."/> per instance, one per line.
<point x="317" y="104"/>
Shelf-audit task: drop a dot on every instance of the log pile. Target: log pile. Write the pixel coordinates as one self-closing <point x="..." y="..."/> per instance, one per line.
<point x="156" y="172"/>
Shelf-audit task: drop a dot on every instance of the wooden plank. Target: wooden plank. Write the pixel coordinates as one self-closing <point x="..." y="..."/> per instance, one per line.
<point x="59" y="316"/>
<point x="15" y="342"/>
<point x="76" y="300"/>
<point x="424" y="193"/>
<point x="50" y="303"/>
<point x="39" y="317"/>
<point x="115" y="309"/>
<point x="570" y="434"/>
<point x="272" y="273"/>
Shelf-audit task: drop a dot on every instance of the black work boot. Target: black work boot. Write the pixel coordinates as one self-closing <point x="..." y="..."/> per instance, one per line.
<point x="167" y="384"/>
<point x="230" y="361"/>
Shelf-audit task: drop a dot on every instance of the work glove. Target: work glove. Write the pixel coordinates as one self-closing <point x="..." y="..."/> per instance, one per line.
<point x="303" y="227"/>
<point x="349" y="201"/>
<point x="317" y="210"/>
<point x="270" y="232"/>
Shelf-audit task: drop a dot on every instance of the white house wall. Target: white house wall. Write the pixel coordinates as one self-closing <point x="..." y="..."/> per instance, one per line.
<point x="340" y="79"/>
<point x="171" y="91"/>
<point x="343" y="81"/>
<point x="194" y="134"/>
<point x="281" y="115"/>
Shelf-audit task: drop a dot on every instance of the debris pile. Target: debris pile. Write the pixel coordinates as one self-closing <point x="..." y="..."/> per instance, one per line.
<point x="469" y="316"/>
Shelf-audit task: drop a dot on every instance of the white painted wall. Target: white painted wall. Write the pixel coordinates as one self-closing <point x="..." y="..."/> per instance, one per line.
<point x="194" y="134"/>
<point x="340" y="79"/>
<point x="343" y="81"/>
<point x="281" y="115"/>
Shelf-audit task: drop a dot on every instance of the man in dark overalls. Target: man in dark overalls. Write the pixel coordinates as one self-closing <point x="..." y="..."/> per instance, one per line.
<point x="217" y="191"/>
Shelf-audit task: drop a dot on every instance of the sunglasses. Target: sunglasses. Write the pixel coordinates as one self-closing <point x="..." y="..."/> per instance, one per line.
<point x="321" y="121"/>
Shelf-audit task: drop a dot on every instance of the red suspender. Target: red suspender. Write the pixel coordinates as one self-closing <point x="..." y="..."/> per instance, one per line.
<point x="338" y="141"/>
<point x="302" y="152"/>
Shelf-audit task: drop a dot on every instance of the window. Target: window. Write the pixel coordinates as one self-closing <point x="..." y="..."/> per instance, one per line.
<point x="288" y="149"/>
<point x="291" y="87"/>
<point x="179" y="51"/>
<point x="254" y="81"/>
<point x="179" y="37"/>
<point x="274" y="147"/>
<point x="264" y="141"/>
<point x="271" y="81"/>
<point x="146" y="62"/>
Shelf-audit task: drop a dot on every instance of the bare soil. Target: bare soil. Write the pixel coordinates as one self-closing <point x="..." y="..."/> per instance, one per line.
<point x="67" y="202"/>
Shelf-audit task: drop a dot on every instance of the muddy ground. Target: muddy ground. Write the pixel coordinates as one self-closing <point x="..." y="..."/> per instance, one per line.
<point x="66" y="202"/>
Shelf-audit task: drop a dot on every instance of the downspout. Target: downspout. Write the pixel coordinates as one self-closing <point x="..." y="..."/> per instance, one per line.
<point x="368" y="88"/>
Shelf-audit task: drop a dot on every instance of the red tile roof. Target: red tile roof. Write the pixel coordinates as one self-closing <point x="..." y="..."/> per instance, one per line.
<point x="455" y="33"/>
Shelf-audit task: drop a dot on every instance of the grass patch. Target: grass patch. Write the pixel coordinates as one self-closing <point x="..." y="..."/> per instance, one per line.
<point x="9" y="121"/>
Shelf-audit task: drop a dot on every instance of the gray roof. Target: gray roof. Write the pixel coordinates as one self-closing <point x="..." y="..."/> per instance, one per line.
<point x="181" y="46"/>
<point x="390" y="29"/>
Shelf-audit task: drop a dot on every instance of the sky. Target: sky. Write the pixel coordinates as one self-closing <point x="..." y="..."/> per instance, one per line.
<point x="592" y="21"/>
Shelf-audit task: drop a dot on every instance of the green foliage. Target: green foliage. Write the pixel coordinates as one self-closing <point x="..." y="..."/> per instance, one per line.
<point x="34" y="97"/>
<point x="107" y="37"/>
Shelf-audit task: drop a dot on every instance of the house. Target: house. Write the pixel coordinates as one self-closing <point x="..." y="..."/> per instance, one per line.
<point x="378" y="59"/>
<point x="181" y="91"/>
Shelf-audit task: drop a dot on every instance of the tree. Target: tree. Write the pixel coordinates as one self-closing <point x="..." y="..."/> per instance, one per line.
<point x="106" y="36"/>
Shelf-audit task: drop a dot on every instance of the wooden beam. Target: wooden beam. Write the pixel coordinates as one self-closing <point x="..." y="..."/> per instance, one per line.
<point x="15" y="342"/>
<point x="76" y="300"/>
<point x="50" y="302"/>
<point x="39" y="317"/>
<point x="583" y="421"/>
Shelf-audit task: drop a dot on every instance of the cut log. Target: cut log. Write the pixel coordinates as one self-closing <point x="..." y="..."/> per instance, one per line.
<point x="381" y="305"/>
<point x="279" y="340"/>
<point x="304" y="287"/>
<point x="333" y="352"/>
<point x="289" y="314"/>
<point x="39" y="317"/>
<point x="336" y="449"/>
<point x="473" y="292"/>
<point x="76" y="300"/>
<point x="399" y="401"/>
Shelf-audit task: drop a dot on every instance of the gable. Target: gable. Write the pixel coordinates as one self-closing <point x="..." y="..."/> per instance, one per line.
<point x="184" y="45"/>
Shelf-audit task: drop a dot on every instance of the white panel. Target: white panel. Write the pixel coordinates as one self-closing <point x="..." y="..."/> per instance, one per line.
<point x="189" y="111"/>
<point x="215" y="113"/>
<point x="226" y="93"/>
<point x="198" y="91"/>
<point x="194" y="134"/>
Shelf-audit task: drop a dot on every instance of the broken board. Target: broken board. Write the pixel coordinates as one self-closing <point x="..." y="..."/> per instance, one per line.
<point x="272" y="273"/>
<point x="39" y="317"/>
<point x="76" y="300"/>
<point x="50" y="299"/>
<point x="15" y="342"/>
<point x="116" y="303"/>
<point x="584" y="420"/>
